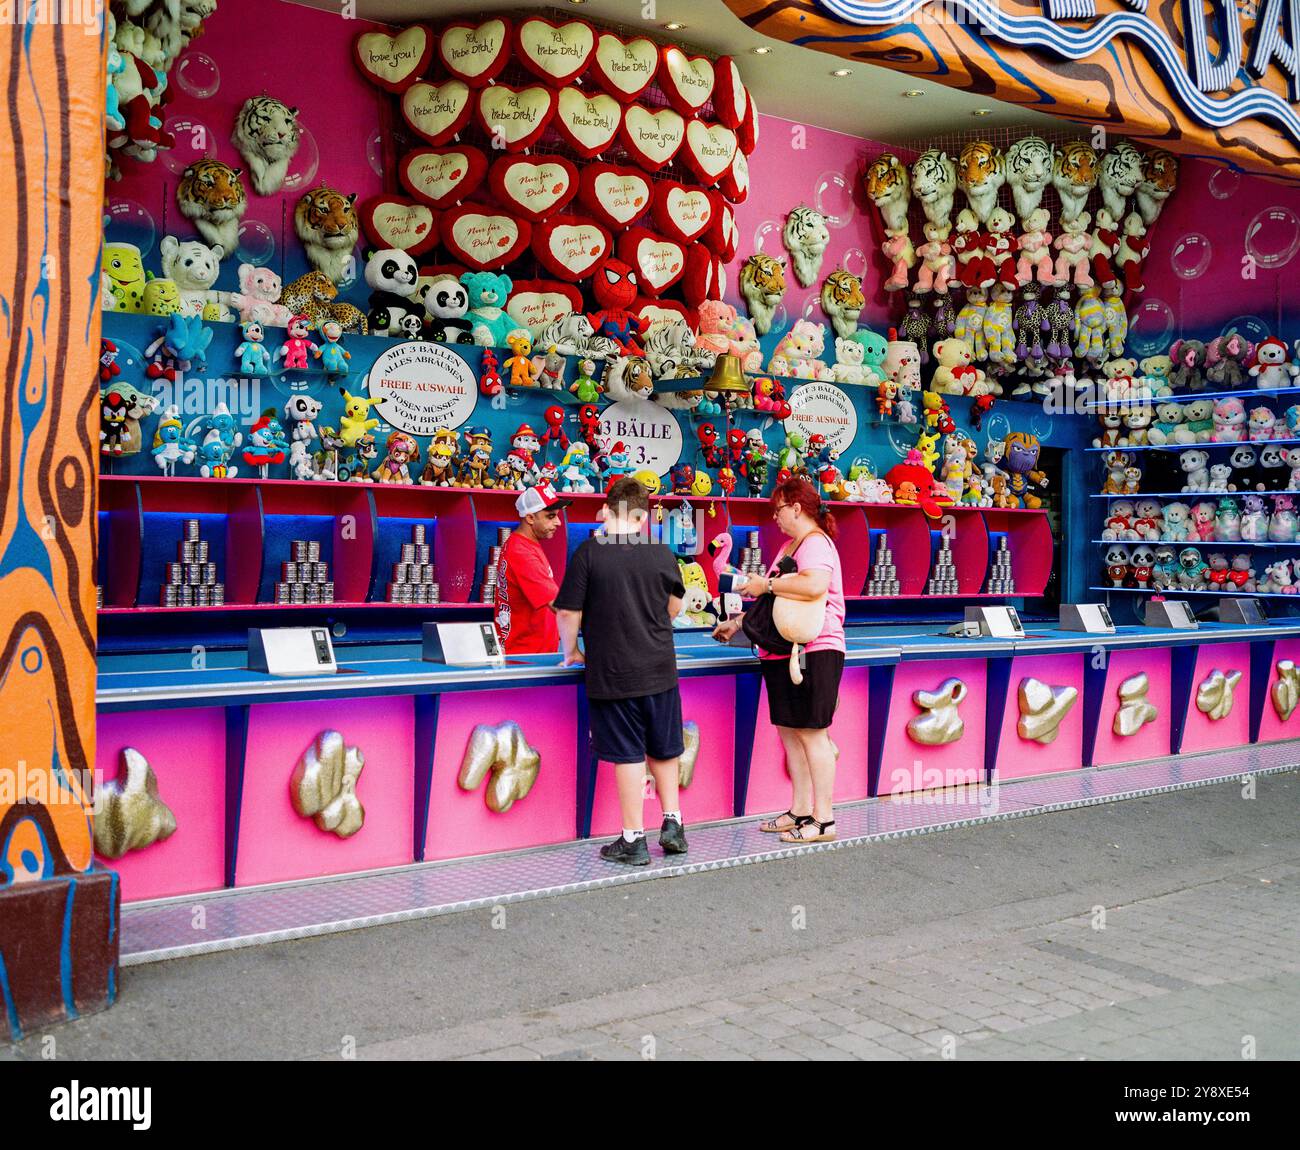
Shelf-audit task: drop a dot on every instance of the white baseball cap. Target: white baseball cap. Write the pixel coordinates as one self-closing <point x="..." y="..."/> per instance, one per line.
<point x="539" y="498"/>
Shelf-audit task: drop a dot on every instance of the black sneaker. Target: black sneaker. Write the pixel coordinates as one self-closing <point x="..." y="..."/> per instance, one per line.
<point x="672" y="837"/>
<point x="630" y="854"/>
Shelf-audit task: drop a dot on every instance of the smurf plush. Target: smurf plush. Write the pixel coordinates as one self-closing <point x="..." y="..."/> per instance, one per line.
<point x="1272" y="366"/>
<point x="1195" y="467"/>
<point x="488" y="292"/>
<point x="392" y="276"/>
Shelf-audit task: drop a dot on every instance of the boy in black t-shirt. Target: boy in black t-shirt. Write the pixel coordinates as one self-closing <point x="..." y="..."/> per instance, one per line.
<point x="624" y="591"/>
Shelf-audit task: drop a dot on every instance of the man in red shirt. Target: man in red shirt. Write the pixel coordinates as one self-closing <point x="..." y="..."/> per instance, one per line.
<point x="526" y="587"/>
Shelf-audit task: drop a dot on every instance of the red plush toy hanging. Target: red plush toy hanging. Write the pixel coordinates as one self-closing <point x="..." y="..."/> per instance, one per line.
<point x="558" y="53"/>
<point x="617" y="197"/>
<point x="681" y="213"/>
<point x="587" y="121"/>
<point x="536" y="187"/>
<point x="659" y="263"/>
<point x="614" y="287"/>
<point x="570" y="247"/>
<point x="482" y="237"/>
<point x="624" y="68"/>
<point x="441" y="177"/>
<point x="687" y="81"/>
<point x="475" y="53"/>
<point x="515" y="117"/>
<point x="394" y="62"/>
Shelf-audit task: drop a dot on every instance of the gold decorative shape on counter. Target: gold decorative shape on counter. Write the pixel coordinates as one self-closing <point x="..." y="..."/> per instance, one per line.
<point x="324" y="785"/>
<point x="1214" y="695"/>
<point x="1042" y="707"/>
<point x="1286" y="689"/>
<point x="686" y="762"/>
<point x="129" y="815"/>
<point x="1135" y="711"/>
<point x="940" y="723"/>
<point x="503" y="750"/>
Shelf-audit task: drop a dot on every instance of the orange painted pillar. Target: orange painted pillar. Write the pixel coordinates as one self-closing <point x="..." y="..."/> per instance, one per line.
<point x="58" y="916"/>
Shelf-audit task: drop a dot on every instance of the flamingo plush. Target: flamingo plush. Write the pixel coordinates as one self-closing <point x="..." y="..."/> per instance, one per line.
<point x="720" y="549"/>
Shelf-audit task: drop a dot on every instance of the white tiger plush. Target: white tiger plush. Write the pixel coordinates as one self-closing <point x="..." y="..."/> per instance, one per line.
<point x="671" y="352"/>
<point x="266" y="135"/>
<point x="934" y="181"/>
<point x="1121" y="172"/>
<point x="806" y="238"/>
<point x="573" y="334"/>
<point x="1029" y="168"/>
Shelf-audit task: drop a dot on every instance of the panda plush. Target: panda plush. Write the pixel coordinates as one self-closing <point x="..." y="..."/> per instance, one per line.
<point x="392" y="276"/>
<point x="445" y="303"/>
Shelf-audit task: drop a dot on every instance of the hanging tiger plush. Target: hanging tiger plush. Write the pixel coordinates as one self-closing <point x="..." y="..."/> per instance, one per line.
<point x="843" y="301"/>
<point x="266" y="135"/>
<point x="889" y="189"/>
<point x="1121" y="172"/>
<point x="1159" y="179"/>
<point x="934" y="180"/>
<point x="1074" y="175"/>
<point x="1029" y="168"/>
<point x="212" y="195"/>
<point x="326" y="222"/>
<point x="806" y="238"/>
<point x="762" y="283"/>
<point x="981" y="172"/>
<point x="314" y="294"/>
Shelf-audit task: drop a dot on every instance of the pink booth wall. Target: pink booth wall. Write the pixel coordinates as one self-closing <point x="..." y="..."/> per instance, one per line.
<point x="1018" y="757"/>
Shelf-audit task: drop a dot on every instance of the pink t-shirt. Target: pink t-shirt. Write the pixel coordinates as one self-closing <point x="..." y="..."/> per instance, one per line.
<point x="817" y="552"/>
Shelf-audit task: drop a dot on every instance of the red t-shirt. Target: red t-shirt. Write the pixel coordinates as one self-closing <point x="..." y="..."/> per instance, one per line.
<point x="525" y="588"/>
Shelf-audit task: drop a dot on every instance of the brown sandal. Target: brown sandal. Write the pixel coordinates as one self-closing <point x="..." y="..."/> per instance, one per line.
<point x="801" y="833"/>
<point x="769" y="827"/>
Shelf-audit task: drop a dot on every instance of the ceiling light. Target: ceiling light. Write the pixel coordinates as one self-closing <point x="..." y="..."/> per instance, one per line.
<point x="912" y="93"/>
<point x="982" y="112"/>
<point x="760" y="51"/>
<point x="842" y="72"/>
<point x="674" y="26"/>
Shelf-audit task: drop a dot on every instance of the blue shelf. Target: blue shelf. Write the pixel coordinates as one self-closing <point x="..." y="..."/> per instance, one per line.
<point x="1197" y="542"/>
<point x="1195" y="494"/>
<point x="1125" y="405"/>
<point x="1173" y="592"/>
<point x="1255" y="443"/>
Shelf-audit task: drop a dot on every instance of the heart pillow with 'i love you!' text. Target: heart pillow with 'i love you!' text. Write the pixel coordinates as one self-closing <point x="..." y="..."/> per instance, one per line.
<point x="393" y="62"/>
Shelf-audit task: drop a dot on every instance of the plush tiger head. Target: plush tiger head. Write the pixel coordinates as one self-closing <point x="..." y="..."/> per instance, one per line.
<point x="266" y="135"/>
<point x="1029" y="163"/>
<point x="806" y="238"/>
<point x="1075" y="167"/>
<point x="1121" y="168"/>
<point x="886" y="181"/>
<point x="845" y="290"/>
<point x="764" y="275"/>
<point x="327" y="217"/>
<point x="981" y="167"/>
<point x="934" y="176"/>
<point x="1159" y="173"/>
<point x="210" y="186"/>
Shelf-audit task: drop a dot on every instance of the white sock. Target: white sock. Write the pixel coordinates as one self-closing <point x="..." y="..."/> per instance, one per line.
<point x="632" y="836"/>
<point x="676" y="816"/>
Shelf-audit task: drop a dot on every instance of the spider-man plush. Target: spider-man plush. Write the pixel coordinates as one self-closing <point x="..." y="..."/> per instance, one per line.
<point x="614" y="286"/>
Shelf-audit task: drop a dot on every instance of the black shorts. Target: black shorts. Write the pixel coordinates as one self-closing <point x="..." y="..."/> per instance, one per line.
<point x="810" y="705"/>
<point x="630" y="730"/>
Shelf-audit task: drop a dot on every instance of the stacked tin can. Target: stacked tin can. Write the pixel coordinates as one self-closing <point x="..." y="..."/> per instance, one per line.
<point x="489" y="593"/>
<point x="751" y="556"/>
<point x="415" y="579"/>
<point x="943" y="575"/>
<point x="305" y="577"/>
<point x="1001" y="580"/>
<point x="192" y="580"/>
<point x="884" y="574"/>
<point x="99" y="597"/>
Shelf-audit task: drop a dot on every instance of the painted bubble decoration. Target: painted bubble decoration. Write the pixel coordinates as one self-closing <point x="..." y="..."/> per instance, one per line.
<point x="1273" y="237"/>
<point x="256" y="243"/>
<point x="1223" y="183"/>
<point x="194" y="141"/>
<point x="1191" y="256"/>
<point x="1151" y="328"/>
<point x="833" y="197"/>
<point x="127" y="222"/>
<point x="197" y="75"/>
<point x="305" y="162"/>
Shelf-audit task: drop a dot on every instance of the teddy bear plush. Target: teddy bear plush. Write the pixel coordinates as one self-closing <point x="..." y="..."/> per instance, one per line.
<point x="488" y="292"/>
<point x="849" y="366"/>
<point x="801" y="348"/>
<point x="938" y="264"/>
<point x="954" y="374"/>
<point x="257" y="300"/>
<point x="1188" y="357"/>
<point x="1199" y="415"/>
<point x="1271" y="364"/>
<point x="1074" y="244"/>
<point x="1195" y="467"/>
<point x="723" y="331"/>
<point x="1156" y="370"/>
<point x="1036" y="250"/>
<point x="1169" y="426"/>
<point x="1001" y="246"/>
<point x="194" y="267"/>
<point x="1178" y="516"/>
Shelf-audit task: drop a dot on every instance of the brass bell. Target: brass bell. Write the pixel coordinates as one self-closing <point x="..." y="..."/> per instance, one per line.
<point x="727" y="375"/>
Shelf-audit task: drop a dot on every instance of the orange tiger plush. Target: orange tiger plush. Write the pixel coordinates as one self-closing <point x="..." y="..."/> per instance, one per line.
<point x="326" y="222"/>
<point x="889" y="188"/>
<point x="211" y="195"/>
<point x="1159" y="179"/>
<point x="981" y="172"/>
<point x="1074" y="175"/>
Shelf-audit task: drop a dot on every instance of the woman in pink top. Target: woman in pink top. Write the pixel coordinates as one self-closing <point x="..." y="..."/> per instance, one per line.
<point x="802" y="713"/>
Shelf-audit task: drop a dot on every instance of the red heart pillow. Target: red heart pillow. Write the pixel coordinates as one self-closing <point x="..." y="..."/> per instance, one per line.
<point x="659" y="310"/>
<point x="735" y="183"/>
<point x="570" y="247"/>
<point x="624" y="68"/>
<point x="436" y="112"/>
<point x="730" y="98"/>
<point x="394" y="62"/>
<point x="475" y="53"/>
<point x="682" y="213"/>
<point x="482" y="237"/>
<point x="617" y="197"/>
<point x="724" y="237"/>
<point x="652" y="138"/>
<point x="658" y="262"/>
<point x="588" y="121"/>
<point x="709" y="150"/>
<point x="534" y="186"/>
<point x="747" y="133"/>
<point x="396" y="222"/>
<point x="558" y="53"/>
<point x="535" y="303"/>
<point x="442" y="176"/>
<point x="515" y="116"/>
<point x="687" y="81"/>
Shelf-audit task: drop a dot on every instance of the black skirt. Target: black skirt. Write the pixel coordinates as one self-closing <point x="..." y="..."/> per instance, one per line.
<point x="811" y="704"/>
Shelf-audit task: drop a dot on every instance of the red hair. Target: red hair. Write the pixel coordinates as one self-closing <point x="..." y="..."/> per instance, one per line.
<point x="799" y="492"/>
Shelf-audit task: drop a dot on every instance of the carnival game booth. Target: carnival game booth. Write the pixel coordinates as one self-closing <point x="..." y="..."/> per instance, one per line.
<point x="348" y="312"/>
